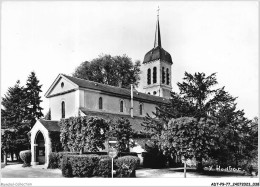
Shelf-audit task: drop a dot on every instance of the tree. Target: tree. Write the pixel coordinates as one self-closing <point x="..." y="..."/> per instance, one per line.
<point x="7" y="145"/>
<point x="189" y="138"/>
<point x="32" y="90"/>
<point x="115" y="71"/>
<point x="14" y="106"/>
<point x="123" y="132"/>
<point x="79" y="133"/>
<point x="197" y="99"/>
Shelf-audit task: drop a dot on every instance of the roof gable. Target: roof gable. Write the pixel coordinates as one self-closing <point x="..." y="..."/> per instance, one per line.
<point x="61" y="85"/>
<point x="50" y="125"/>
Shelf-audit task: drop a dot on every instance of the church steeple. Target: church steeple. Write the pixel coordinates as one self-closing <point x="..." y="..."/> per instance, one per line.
<point x="157" y="41"/>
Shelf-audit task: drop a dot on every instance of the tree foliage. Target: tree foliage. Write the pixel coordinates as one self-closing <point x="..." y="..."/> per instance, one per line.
<point x="79" y="133"/>
<point x="116" y="71"/>
<point x="21" y="108"/>
<point x="33" y="99"/>
<point x="123" y="132"/>
<point x="207" y="109"/>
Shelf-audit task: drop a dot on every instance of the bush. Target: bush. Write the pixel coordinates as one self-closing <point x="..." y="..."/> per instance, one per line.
<point x="79" y="165"/>
<point x="126" y="166"/>
<point x="26" y="157"/>
<point x="66" y="169"/>
<point x="54" y="160"/>
<point x="103" y="169"/>
<point x="156" y="160"/>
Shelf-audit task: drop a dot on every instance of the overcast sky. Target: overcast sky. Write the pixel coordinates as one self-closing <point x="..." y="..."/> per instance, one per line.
<point x="55" y="37"/>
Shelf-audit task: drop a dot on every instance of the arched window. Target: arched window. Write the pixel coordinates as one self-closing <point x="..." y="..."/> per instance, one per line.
<point x="154" y="74"/>
<point x="163" y="75"/>
<point x="100" y="103"/>
<point x="121" y="106"/>
<point x="62" y="109"/>
<point x="141" y="109"/>
<point x="168" y="76"/>
<point x="154" y="93"/>
<point x="149" y="76"/>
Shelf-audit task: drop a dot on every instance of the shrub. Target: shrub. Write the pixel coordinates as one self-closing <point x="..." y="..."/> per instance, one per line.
<point x="79" y="165"/>
<point x="156" y="160"/>
<point x="26" y="158"/>
<point x="54" y="160"/>
<point x="126" y="166"/>
<point x="61" y="154"/>
<point x="66" y="169"/>
<point x="103" y="169"/>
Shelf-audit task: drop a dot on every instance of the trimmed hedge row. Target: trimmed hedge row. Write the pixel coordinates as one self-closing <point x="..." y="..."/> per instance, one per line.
<point x="95" y="165"/>
<point x="125" y="166"/>
<point x="56" y="158"/>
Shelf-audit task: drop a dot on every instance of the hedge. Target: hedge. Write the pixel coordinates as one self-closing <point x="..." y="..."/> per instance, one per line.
<point x="56" y="158"/>
<point x="103" y="169"/>
<point x="79" y="165"/>
<point x="26" y="157"/>
<point x="125" y="166"/>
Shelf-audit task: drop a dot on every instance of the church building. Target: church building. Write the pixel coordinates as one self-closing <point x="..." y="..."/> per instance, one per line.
<point x="69" y="97"/>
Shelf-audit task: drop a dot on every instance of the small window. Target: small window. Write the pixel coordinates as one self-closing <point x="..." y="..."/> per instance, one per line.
<point x="154" y="75"/>
<point x="149" y="93"/>
<point x="62" y="84"/>
<point x="154" y="93"/>
<point x="163" y="75"/>
<point x="167" y="76"/>
<point x="141" y="109"/>
<point x="100" y="103"/>
<point x="121" y="106"/>
<point x="62" y="109"/>
<point x="149" y="76"/>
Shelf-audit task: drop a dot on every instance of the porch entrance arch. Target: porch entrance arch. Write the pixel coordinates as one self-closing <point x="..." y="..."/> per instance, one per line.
<point x="39" y="141"/>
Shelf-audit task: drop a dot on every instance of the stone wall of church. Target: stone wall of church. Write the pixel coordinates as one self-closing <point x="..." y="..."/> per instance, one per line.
<point x="71" y="105"/>
<point x="89" y="99"/>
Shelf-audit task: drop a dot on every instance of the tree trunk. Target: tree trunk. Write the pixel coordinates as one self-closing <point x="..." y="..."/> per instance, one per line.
<point x="5" y="158"/>
<point x="12" y="156"/>
<point x="199" y="164"/>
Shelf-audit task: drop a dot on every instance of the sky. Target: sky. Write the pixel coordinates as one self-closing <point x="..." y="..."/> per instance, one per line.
<point x="52" y="37"/>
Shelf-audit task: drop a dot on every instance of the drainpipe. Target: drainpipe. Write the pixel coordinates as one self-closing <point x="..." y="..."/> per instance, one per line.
<point x="132" y="101"/>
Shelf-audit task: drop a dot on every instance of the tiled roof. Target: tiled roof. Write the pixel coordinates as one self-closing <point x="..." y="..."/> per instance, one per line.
<point x="135" y="121"/>
<point x="115" y="90"/>
<point x="157" y="53"/>
<point x="50" y="125"/>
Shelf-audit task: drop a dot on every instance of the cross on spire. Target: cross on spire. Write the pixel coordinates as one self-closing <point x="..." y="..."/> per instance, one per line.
<point x="158" y="9"/>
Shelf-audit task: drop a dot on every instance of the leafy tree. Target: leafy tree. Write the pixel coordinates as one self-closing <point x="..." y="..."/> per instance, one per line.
<point x="32" y="90"/>
<point x="116" y="71"/>
<point x="189" y="138"/>
<point x="123" y="132"/>
<point x="7" y="145"/>
<point x="197" y="99"/>
<point x="78" y="133"/>
<point x="14" y="106"/>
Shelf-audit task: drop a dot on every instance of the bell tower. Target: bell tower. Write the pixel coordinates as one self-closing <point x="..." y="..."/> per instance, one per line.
<point x="156" y="68"/>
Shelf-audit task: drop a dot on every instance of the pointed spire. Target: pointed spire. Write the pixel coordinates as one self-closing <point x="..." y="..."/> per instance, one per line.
<point x="157" y="41"/>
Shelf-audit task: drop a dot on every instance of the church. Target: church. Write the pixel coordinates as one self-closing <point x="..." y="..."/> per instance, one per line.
<point x="69" y="96"/>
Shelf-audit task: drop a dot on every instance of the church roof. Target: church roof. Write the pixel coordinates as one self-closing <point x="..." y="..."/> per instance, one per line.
<point x="50" y="125"/>
<point x="157" y="52"/>
<point x="135" y="121"/>
<point x="112" y="90"/>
